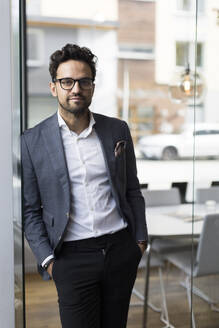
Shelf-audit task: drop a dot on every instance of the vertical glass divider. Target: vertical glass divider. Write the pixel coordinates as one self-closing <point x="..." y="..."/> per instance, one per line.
<point x="23" y="120"/>
<point x="193" y="166"/>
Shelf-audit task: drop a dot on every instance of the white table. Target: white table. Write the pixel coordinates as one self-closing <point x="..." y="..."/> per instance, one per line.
<point x="183" y="220"/>
<point x="175" y="221"/>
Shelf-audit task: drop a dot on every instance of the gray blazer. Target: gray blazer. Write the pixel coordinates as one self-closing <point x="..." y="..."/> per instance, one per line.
<point x="46" y="186"/>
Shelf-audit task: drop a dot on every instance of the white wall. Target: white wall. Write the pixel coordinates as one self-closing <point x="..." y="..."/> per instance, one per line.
<point x="164" y="42"/>
<point x="96" y="9"/>
<point x="6" y="231"/>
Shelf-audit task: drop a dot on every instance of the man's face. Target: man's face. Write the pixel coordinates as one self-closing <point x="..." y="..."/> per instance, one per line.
<point x="77" y="100"/>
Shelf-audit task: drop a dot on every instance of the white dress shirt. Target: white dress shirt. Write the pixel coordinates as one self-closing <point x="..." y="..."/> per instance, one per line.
<point x="93" y="208"/>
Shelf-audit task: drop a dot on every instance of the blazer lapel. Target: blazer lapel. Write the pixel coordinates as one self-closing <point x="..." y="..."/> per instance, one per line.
<point x="105" y="136"/>
<point x="53" y="143"/>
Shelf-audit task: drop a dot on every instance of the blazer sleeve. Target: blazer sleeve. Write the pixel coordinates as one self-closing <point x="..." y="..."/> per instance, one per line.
<point x="34" y="228"/>
<point x="133" y="192"/>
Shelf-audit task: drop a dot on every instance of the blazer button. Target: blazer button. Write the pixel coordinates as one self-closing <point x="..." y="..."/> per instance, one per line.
<point x="67" y="214"/>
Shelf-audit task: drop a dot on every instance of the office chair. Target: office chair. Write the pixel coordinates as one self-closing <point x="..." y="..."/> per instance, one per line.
<point x="201" y="262"/>
<point x="205" y="194"/>
<point x="161" y="247"/>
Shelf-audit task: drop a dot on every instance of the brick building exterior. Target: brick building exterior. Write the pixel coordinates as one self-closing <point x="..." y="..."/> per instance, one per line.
<point x="150" y="109"/>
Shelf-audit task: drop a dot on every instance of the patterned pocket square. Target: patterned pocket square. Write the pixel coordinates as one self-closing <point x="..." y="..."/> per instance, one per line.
<point x="120" y="147"/>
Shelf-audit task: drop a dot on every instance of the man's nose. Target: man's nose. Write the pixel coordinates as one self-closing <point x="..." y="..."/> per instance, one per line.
<point x="76" y="88"/>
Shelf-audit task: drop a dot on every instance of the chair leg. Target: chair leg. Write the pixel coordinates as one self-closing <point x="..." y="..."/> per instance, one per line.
<point x="198" y="292"/>
<point x="188" y="289"/>
<point x="146" y="289"/>
<point x="141" y="297"/>
<point x="214" y="308"/>
<point x="164" y="314"/>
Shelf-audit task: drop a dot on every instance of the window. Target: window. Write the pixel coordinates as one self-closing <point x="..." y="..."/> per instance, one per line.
<point x="185" y="53"/>
<point x="199" y="54"/>
<point x="184" y="5"/>
<point x="214" y="131"/>
<point x="201" y="6"/>
<point x="201" y="133"/>
<point x="182" y="53"/>
<point x="35" y="47"/>
<point x="136" y="51"/>
<point x="190" y="5"/>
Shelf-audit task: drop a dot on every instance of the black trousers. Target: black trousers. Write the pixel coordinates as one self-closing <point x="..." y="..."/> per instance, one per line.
<point x="94" y="279"/>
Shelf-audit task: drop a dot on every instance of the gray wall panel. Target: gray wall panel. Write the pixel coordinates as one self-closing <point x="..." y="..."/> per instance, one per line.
<point x="6" y="231"/>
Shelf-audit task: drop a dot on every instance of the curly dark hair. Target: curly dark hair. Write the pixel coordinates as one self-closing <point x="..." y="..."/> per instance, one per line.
<point x="72" y="51"/>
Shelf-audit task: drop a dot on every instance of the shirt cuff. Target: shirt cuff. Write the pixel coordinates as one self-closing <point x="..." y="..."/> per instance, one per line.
<point x="47" y="260"/>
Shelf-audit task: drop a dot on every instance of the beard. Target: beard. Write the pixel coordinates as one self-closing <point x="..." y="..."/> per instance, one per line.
<point x="77" y="110"/>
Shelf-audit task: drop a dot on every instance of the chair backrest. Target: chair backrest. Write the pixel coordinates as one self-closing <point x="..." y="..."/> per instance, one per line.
<point x="205" y="194"/>
<point x="207" y="259"/>
<point x="144" y="185"/>
<point x="214" y="183"/>
<point x="182" y="186"/>
<point x="161" y="197"/>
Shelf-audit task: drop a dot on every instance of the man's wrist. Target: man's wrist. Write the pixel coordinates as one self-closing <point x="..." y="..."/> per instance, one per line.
<point x="142" y="242"/>
<point x="46" y="265"/>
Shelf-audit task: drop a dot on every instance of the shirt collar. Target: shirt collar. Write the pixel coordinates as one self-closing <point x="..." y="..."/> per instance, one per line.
<point x="60" y="120"/>
<point x="84" y="133"/>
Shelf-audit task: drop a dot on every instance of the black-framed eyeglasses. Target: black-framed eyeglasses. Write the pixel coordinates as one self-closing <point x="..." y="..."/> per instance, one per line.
<point x="67" y="83"/>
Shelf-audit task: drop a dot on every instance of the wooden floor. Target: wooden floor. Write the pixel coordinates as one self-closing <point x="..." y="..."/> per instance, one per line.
<point x="42" y="310"/>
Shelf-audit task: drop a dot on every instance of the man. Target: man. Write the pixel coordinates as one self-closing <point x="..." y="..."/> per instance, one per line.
<point x="84" y="215"/>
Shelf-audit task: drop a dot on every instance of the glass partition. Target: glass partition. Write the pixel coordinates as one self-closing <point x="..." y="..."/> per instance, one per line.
<point x="205" y="281"/>
<point x="166" y="158"/>
<point x="157" y="64"/>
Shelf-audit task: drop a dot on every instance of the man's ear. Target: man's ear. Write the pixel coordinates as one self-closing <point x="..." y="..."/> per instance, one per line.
<point x="53" y="90"/>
